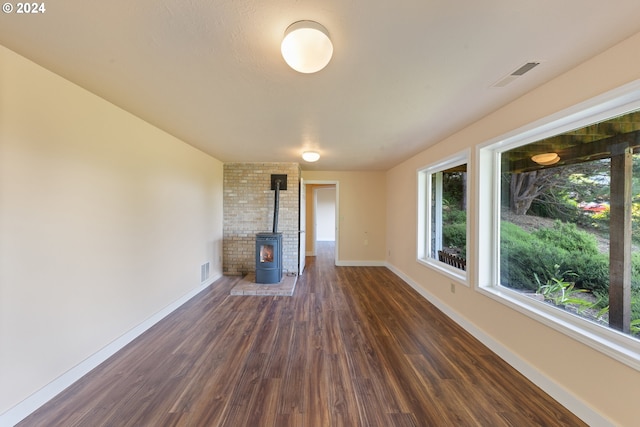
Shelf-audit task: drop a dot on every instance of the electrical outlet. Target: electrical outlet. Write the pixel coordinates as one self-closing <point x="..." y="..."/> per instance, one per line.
<point x="453" y="288"/>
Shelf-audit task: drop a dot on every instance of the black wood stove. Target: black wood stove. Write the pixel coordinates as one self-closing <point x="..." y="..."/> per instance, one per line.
<point x="268" y="257"/>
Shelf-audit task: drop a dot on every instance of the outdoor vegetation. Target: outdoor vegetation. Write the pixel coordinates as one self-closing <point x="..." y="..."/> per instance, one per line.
<point x="554" y="235"/>
<point x="454" y="213"/>
<point x="556" y="221"/>
<point x="555" y="238"/>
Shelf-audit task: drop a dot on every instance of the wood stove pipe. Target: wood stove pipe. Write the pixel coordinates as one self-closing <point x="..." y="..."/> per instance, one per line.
<point x="278" y="182"/>
<point x="276" y="207"/>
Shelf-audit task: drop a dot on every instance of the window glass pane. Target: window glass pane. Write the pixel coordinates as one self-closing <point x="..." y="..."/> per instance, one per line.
<point x="447" y="215"/>
<point x="454" y="210"/>
<point x="570" y="222"/>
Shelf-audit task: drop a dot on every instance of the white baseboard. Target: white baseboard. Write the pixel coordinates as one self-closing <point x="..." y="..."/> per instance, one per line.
<point x="343" y="263"/>
<point x="553" y="389"/>
<point x="20" y="411"/>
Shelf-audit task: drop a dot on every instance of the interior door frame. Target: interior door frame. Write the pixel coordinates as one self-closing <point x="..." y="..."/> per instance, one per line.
<point x="302" y="227"/>
<point x="337" y="212"/>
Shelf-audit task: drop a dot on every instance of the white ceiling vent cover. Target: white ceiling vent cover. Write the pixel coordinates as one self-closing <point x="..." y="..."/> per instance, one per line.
<point x="522" y="70"/>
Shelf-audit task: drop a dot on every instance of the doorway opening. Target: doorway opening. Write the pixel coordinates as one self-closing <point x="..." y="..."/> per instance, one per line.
<point x="322" y="216"/>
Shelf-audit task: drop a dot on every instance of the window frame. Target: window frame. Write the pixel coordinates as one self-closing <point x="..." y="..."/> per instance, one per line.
<point x="424" y="215"/>
<point x="613" y="343"/>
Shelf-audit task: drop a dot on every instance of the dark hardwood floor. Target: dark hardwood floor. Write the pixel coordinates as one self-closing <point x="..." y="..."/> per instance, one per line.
<point x="354" y="346"/>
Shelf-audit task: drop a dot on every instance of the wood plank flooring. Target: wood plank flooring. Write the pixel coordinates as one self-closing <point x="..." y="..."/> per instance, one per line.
<point x="354" y="346"/>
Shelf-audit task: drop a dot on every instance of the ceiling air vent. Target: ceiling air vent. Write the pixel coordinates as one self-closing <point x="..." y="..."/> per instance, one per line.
<point x="522" y="70"/>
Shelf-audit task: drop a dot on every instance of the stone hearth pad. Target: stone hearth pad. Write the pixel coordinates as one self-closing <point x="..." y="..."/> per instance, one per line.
<point x="248" y="286"/>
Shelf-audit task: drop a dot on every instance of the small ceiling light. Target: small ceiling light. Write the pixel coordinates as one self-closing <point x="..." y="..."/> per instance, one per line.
<point x="546" y="159"/>
<point x="310" y="156"/>
<point x="306" y="46"/>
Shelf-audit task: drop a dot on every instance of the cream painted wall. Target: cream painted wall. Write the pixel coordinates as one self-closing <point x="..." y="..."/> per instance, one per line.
<point x="362" y="214"/>
<point x="610" y="388"/>
<point x="325" y="214"/>
<point x="310" y="233"/>
<point x="310" y="237"/>
<point x="104" y="221"/>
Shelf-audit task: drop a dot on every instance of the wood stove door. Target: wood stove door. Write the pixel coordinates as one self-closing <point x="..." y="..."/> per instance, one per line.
<point x="302" y="222"/>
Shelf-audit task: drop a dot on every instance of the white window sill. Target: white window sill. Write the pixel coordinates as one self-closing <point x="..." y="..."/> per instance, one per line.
<point x="617" y="345"/>
<point x="456" y="274"/>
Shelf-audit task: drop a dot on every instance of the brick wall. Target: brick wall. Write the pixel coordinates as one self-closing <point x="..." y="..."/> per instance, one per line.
<point x="248" y="209"/>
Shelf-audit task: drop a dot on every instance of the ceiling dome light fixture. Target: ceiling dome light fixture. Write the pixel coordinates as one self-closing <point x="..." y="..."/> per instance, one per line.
<point x="310" y="156"/>
<point x="546" y="159"/>
<point x="306" y="47"/>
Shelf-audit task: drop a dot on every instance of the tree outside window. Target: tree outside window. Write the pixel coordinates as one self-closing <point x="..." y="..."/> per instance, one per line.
<point x="570" y="221"/>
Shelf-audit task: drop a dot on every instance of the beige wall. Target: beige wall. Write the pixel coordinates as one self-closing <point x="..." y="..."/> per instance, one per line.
<point x="325" y="207"/>
<point x="609" y="387"/>
<point x="361" y="214"/>
<point x="104" y="221"/>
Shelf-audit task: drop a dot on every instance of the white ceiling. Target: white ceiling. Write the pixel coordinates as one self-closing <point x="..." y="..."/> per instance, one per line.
<point x="404" y="75"/>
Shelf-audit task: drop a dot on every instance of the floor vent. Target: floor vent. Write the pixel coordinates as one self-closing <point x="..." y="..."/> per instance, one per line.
<point x="204" y="272"/>
<point x="522" y="70"/>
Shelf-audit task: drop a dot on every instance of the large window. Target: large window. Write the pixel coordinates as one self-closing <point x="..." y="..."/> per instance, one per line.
<point x="563" y="205"/>
<point x="442" y="216"/>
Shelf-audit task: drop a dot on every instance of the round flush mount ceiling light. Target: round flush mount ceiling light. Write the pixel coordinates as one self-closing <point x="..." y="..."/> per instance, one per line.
<point x="546" y="159"/>
<point x="310" y="156"/>
<point x="306" y="47"/>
